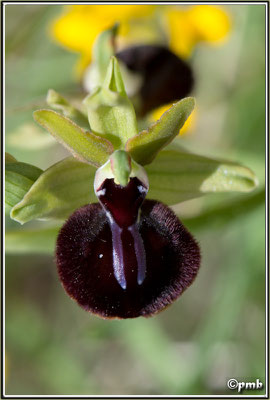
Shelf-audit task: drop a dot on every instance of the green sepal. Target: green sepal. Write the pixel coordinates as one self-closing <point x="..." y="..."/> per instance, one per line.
<point x="110" y="112"/>
<point x="59" y="103"/>
<point x="85" y="146"/>
<point x="145" y="146"/>
<point x="175" y="176"/>
<point x="61" y="189"/>
<point x="19" y="177"/>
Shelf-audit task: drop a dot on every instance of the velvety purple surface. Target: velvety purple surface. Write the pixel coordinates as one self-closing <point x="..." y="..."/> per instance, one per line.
<point x="85" y="262"/>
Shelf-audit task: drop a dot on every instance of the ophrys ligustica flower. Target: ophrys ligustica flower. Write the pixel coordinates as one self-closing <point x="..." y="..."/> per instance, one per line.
<point x="125" y="256"/>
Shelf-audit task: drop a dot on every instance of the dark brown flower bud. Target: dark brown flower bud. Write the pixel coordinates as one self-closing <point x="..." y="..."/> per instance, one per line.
<point x="166" y="77"/>
<point x="125" y="257"/>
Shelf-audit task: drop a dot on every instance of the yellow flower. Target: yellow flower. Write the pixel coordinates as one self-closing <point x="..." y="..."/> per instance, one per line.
<point x="193" y="25"/>
<point x="77" y="28"/>
<point x="189" y="124"/>
<point x="79" y="25"/>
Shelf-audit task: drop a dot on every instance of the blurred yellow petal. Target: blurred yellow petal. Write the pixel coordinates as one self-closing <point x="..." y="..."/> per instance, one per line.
<point x="77" y="29"/>
<point x="181" y="33"/>
<point x="157" y="113"/>
<point x="192" y="25"/>
<point x="189" y="124"/>
<point x="79" y="25"/>
<point x="210" y="23"/>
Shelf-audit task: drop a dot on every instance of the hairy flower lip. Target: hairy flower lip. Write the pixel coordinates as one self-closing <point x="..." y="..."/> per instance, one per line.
<point x="84" y="260"/>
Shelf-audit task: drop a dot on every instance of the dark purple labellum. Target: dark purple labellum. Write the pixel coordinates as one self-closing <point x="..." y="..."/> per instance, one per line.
<point x="120" y="264"/>
<point x="166" y="77"/>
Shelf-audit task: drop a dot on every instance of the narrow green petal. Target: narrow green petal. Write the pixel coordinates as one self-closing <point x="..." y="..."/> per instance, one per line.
<point x="144" y="147"/>
<point x="86" y="146"/>
<point x="113" y="79"/>
<point x="19" y="177"/>
<point x="59" y="191"/>
<point x="177" y="176"/>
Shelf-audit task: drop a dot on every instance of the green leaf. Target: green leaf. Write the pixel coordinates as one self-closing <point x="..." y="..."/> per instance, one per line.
<point x="9" y="158"/>
<point x="144" y="147"/>
<point x="35" y="241"/>
<point x="177" y="176"/>
<point x="60" y="190"/>
<point x="110" y="112"/>
<point x="58" y="102"/>
<point x="19" y="177"/>
<point x="217" y="216"/>
<point x="86" y="146"/>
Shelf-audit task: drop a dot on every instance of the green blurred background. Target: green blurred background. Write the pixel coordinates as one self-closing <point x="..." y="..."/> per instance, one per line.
<point x="216" y="330"/>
